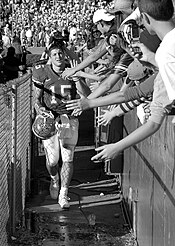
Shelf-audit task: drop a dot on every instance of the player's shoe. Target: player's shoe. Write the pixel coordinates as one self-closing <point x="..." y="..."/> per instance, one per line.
<point x="54" y="189"/>
<point x="63" y="201"/>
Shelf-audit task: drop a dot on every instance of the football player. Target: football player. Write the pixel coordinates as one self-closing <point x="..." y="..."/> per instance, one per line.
<point x="54" y="124"/>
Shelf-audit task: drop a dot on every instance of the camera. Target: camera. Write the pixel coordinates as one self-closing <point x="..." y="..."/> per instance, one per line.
<point x="135" y="37"/>
<point x="130" y="33"/>
<point x="135" y="32"/>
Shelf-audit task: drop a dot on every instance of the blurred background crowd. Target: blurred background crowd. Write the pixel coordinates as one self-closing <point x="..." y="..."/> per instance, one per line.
<point x="31" y="23"/>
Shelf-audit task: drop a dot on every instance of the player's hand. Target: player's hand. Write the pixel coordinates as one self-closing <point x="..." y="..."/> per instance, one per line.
<point x="44" y="112"/>
<point x="107" y="152"/>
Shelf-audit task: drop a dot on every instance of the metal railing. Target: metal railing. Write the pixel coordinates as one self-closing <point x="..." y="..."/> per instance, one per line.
<point x="15" y="152"/>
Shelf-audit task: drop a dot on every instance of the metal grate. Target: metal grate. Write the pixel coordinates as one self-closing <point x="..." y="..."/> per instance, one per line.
<point x="15" y="153"/>
<point x="5" y="167"/>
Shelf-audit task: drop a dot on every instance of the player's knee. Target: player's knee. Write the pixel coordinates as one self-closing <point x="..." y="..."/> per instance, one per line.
<point x="52" y="163"/>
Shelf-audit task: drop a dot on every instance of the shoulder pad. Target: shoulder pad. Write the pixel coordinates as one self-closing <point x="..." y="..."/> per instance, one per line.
<point x="39" y="73"/>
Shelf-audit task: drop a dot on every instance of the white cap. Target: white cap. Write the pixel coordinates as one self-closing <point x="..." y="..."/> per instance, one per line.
<point x="121" y="6"/>
<point x="102" y="14"/>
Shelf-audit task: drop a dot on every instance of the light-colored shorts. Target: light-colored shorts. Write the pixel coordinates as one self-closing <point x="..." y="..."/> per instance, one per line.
<point x="64" y="142"/>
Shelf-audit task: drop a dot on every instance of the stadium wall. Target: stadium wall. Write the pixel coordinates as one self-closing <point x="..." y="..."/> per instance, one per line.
<point x="148" y="184"/>
<point x="15" y="153"/>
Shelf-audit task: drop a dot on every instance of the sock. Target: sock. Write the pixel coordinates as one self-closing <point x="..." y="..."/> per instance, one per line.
<point x="63" y="191"/>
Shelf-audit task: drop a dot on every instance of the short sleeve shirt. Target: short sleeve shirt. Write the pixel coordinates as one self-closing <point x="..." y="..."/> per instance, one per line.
<point x="161" y="105"/>
<point x="165" y="58"/>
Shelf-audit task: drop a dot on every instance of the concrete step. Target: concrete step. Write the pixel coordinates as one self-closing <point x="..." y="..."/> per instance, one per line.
<point x="93" y="219"/>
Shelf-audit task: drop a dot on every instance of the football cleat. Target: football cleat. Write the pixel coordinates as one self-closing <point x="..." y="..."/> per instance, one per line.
<point x="64" y="201"/>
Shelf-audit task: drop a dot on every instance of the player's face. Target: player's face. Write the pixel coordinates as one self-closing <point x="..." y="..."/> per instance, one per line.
<point x="57" y="57"/>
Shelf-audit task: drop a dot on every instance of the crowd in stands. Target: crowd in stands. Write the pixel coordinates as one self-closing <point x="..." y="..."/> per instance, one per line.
<point x="32" y="23"/>
<point x="35" y="23"/>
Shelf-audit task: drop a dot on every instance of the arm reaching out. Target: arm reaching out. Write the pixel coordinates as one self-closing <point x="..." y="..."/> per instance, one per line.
<point x="106" y="117"/>
<point x="120" y="110"/>
<point x="112" y="98"/>
<point x="85" y="63"/>
<point x="111" y="151"/>
<point x="146" y="55"/>
<point x="108" y="83"/>
<point x="81" y="85"/>
<point x="85" y="103"/>
<point x="89" y="76"/>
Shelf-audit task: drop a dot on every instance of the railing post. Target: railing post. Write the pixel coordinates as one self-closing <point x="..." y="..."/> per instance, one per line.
<point x="30" y="134"/>
<point x="13" y="159"/>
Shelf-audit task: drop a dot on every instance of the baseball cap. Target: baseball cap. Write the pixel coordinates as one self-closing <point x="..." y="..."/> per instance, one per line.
<point x="120" y="6"/>
<point x="102" y="14"/>
<point x="136" y="70"/>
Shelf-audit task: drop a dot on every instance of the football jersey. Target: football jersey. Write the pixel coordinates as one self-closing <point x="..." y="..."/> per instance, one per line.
<point x="56" y="90"/>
